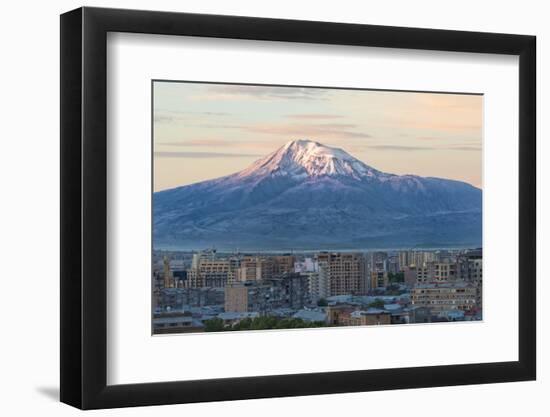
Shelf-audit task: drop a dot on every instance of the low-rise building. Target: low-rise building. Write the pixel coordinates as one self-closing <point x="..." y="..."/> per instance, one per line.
<point x="340" y="315"/>
<point x="419" y="314"/>
<point x="370" y="317"/>
<point x="445" y="296"/>
<point x="176" y="323"/>
<point x="177" y="298"/>
<point x="237" y="297"/>
<point x="232" y="317"/>
<point x="311" y="316"/>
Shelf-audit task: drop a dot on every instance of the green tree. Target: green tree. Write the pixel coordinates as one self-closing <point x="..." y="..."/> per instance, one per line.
<point x="378" y="303"/>
<point x="398" y="277"/>
<point x="260" y="323"/>
<point x="214" y="325"/>
<point x="244" y="324"/>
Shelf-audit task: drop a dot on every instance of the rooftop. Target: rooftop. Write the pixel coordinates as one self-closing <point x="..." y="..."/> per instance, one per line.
<point x="236" y="315"/>
<point x="310" y="315"/>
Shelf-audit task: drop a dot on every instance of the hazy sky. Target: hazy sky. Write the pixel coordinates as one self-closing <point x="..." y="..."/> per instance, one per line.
<point x="204" y="131"/>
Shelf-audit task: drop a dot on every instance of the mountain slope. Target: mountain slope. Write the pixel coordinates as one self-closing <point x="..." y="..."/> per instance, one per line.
<point x="309" y="196"/>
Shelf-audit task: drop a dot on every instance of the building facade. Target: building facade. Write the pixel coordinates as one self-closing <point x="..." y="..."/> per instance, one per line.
<point x="207" y="270"/>
<point x="286" y="291"/>
<point x="371" y="317"/>
<point x="255" y="268"/>
<point x="346" y="272"/>
<point x="318" y="284"/>
<point x="409" y="274"/>
<point x="445" y="296"/>
<point x="378" y="279"/>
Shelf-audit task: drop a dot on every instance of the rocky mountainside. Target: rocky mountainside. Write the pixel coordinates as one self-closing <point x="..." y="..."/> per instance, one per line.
<point x="309" y="196"/>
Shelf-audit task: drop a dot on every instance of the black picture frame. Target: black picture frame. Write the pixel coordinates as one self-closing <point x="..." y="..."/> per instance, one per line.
<point x="84" y="207"/>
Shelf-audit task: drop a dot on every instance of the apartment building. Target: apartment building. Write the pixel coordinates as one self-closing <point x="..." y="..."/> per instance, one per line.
<point x="346" y="272"/>
<point x="445" y="296"/>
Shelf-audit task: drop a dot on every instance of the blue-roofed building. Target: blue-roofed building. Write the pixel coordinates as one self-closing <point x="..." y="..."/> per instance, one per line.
<point x="311" y="316"/>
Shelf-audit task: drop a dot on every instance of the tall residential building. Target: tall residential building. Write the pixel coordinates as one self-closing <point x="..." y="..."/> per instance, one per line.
<point x="215" y="272"/>
<point x="470" y="266"/>
<point x="318" y="284"/>
<point x="207" y="270"/>
<point x="443" y="256"/>
<point x="256" y="268"/>
<point x="437" y="272"/>
<point x="410" y="275"/>
<point x="476" y="277"/>
<point x="317" y="277"/>
<point x="283" y="264"/>
<point x="378" y="279"/>
<point x="415" y="258"/>
<point x="168" y="276"/>
<point x="470" y="269"/>
<point x="403" y="257"/>
<point x="444" y="271"/>
<point x="346" y="272"/>
<point x="377" y="257"/>
<point x="423" y="273"/>
<point x="205" y="254"/>
<point x="430" y="257"/>
<point x="292" y="289"/>
<point x="392" y="264"/>
<point x="307" y="265"/>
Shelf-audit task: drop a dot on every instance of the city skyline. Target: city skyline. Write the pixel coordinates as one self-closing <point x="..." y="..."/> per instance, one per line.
<point x="209" y="291"/>
<point x="204" y="131"/>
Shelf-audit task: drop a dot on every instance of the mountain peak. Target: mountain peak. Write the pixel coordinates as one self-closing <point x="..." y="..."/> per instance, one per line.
<point x="302" y="143"/>
<point x="307" y="158"/>
<point x="302" y="149"/>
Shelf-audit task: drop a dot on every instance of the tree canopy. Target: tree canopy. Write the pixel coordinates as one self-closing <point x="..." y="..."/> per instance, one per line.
<point x="260" y="323"/>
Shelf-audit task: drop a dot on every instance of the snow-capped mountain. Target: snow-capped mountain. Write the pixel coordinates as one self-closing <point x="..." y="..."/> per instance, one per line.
<point x="309" y="196"/>
<point x="305" y="158"/>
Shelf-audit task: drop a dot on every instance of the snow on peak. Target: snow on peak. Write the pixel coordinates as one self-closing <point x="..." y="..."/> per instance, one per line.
<point x="306" y="158"/>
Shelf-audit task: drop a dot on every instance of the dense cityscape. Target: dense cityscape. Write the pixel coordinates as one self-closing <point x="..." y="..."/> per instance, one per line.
<point x="210" y="291"/>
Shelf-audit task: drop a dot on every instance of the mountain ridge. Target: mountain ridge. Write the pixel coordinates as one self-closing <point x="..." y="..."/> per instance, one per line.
<point x="308" y="195"/>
